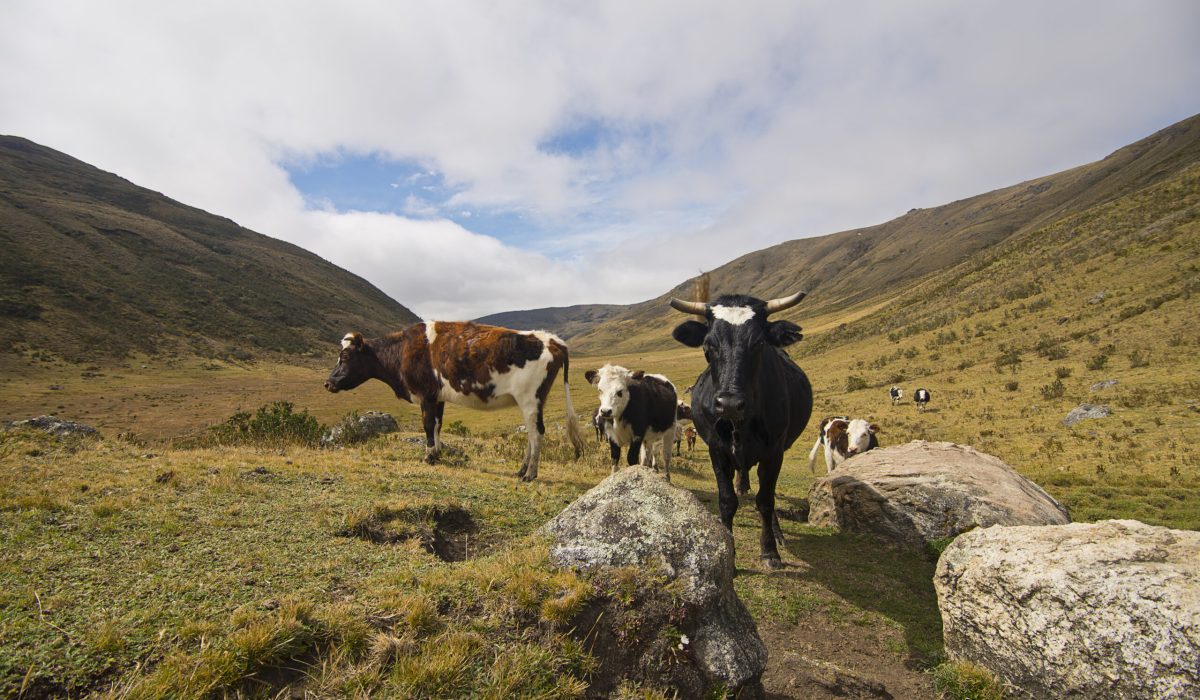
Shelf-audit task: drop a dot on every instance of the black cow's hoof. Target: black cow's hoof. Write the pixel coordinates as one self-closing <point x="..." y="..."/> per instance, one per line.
<point x="772" y="562"/>
<point x="521" y="473"/>
<point x="431" y="459"/>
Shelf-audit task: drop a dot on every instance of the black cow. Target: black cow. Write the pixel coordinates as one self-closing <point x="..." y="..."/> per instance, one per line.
<point x="920" y="398"/>
<point x="639" y="410"/>
<point x="751" y="402"/>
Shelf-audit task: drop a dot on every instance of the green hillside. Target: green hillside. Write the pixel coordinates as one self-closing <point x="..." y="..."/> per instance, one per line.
<point x="848" y="272"/>
<point x="96" y="266"/>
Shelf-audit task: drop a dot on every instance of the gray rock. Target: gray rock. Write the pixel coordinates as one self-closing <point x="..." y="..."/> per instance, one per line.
<point x="1086" y="411"/>
<point x="52" y="424"/>
<point x="916" y="493"/>
<point x="1103" y="610"/>
<point x="368" y="425"/>
<point x="636" y="518"/>
<point x="1106" y="384"/>
<point x="1097" y="298"/>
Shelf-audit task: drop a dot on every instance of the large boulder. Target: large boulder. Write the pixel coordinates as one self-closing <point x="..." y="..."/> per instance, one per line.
<point x="363" y="427"/>
<point x="917" y="493"/>
<point x="1086" y="411"/>
<point x="1104" y="610"/>
<point x="634" y="518"/>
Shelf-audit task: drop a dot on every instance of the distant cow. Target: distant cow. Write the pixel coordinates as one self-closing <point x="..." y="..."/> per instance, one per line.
<point x="843" y="438"/>
<point x="682" y="412"/>
<point x="483" y="367"/>
<point x="751" y="402"/>
<point x="598" y="424"/>
<point x="896" y="393"/>
<point x="690" y="434"/>
<point x="920" y="398"/>
<point x="640" y="411"/>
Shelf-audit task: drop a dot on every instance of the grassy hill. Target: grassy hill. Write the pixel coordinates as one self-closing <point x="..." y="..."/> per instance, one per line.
<point x="853" y="271"/>
<point x="565" y="321"/>
<point x="96" y="266"/>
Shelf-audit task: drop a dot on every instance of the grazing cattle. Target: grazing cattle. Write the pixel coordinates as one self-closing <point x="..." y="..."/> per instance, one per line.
<point x="598" y="424"/>
<point x="472" y="365"/>
<point x="843" y="438"/>
<point x="896" y="393"/>
<point x="920" y="398"/>
<point x="639" y="410"/>
<point x="751" y="402"/>
<point x="682" y="412"/>
<point x="690" y="433"/>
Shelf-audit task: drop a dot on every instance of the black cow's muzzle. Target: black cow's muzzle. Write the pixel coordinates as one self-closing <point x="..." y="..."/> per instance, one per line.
<point x="731" y="406"/>
<point x="330" y="386"/>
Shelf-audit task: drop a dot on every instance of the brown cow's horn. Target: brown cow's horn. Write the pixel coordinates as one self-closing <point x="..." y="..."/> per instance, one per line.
<point x="781" y="303"/>
<point x="689" y="307"/>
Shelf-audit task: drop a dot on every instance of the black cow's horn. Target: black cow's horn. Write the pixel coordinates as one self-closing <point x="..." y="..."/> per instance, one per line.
<point x="689" y="307"/>
<point x="783" y="302"/>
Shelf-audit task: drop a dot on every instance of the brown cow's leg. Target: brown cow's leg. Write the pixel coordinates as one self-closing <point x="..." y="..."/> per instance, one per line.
<point x="535" y="430"/>
<point x="430" y="421"/>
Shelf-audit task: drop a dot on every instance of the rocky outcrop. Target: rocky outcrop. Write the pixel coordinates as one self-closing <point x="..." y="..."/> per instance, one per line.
<point x="635" y="518"/>
<point x="53" y="425"/>
<point x="917" y="493"/>
<point x="1104" y="610"/>
<point x="1086" y="411"/>
<point x="366" y="426"/>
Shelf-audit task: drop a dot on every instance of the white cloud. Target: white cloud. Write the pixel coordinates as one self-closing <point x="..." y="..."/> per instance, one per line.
<point x="728" y="126"/>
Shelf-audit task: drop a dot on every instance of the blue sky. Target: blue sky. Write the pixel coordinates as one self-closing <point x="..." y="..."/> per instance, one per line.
<point x="476" y="157"/>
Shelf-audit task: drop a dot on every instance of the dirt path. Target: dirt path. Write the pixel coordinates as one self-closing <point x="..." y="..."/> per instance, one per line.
<point x="814" y="660"/>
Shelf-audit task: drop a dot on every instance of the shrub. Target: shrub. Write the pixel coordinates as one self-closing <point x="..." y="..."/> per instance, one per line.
<point x="458" y="428"/>
<point x="273" y="425"/>
<point x="855" y="383"/>
<point x="1054" y="390"/>
<point x="1137" y="359"/>
<point x="962" y="680"/>
<point x="1050" y="348"/>
<point x="1062" y="372"/>
<point x="1097" y="363"/>
<point x="1010" y="358"/>
<point x="1011" y="386"/>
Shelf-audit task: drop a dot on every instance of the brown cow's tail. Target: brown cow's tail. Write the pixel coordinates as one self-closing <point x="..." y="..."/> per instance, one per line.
<point x="572" y="419"/>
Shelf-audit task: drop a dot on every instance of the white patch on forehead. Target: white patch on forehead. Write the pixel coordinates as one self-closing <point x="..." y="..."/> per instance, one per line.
<point x="733" y="315"/>
<point x="347" y="340"/>
<point x="430" y="332"/>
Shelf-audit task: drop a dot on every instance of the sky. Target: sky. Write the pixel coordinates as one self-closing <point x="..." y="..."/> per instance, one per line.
<point x="475" y="157"/>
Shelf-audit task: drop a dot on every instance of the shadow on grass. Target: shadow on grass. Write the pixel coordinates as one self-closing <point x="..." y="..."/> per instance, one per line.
<point x="895" y="584"/>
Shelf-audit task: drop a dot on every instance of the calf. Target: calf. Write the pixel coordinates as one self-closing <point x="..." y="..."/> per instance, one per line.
<point x="896" y="393"/>
<point x="598" y="424"/>
<point x="682" y="412"/>
<point x="690" y="433"/>
<point x="484" y="367"/>
<point x="843" y="438"/>
<point x="920" y="398"/>
<point x="639" y="410"/>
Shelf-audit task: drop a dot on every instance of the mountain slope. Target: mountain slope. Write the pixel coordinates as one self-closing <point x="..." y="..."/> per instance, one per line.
<point x="868" y="266"/>
<point x="95" y="266"/>
<point x="566" y="321"/>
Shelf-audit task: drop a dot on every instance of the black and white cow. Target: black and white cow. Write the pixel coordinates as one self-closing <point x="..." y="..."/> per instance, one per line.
<point x="896" y="393"/>
<point x="920" y="398"/>
<point x="842" y="438"/>
<point x="639" y="412"/>
<point x="464" y="363"/>
<point x="751" y="402"/>
<point x="682" y="412"/>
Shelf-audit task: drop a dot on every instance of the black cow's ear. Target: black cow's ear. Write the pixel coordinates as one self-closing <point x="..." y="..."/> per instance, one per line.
<point x="690" y="333"/>
<point x="638" y="374"/>
<point x="590" y="376"/>
<point x="783" y="333"/>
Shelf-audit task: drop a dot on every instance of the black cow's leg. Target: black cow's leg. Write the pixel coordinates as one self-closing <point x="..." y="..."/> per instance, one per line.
<point x="768" y="474"/>
<point x="616" y="454"/>
<point x="726" y="497"/>
<point x="432" y="424"/>
<point x="635" y="452"/>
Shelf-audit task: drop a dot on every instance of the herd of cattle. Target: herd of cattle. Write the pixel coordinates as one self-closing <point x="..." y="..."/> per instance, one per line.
<point x="749" y="404"/>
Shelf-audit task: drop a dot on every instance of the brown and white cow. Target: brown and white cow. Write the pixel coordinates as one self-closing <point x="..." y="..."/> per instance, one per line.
<point x="843" y="438"/>
<point x="483" y="367"/>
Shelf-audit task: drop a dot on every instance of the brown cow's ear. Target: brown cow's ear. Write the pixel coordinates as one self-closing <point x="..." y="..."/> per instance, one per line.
<point x="352" y="340"/>
<point x="358" y="340"/>
<point x="873" y="428"/>
<point x="638" y="374"/>
<point x="591" y="376"/>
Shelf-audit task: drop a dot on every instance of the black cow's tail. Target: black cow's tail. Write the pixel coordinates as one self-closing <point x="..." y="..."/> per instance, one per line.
<point x="572" y="420"/>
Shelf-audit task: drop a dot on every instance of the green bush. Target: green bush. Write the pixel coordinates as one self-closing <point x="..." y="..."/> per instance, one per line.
<point x="1062" y="372"/>
<point x="1054" y="390"/>
<point x="1137" y="359"/>
<point x="458" y="428"/>
<point x="273" y="425"/>
<point x="1011" y="386"/>
<point x="855" y="382"/>
<point x="962" y="680"/>
<point x="1097" y="363"/>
